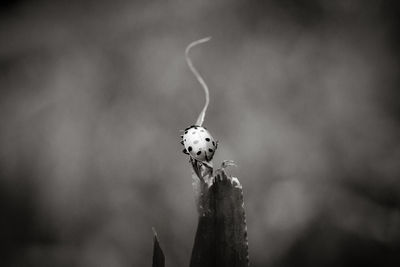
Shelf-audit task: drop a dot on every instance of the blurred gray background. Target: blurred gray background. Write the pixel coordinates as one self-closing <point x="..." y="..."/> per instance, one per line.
<point x="304" y="98"/>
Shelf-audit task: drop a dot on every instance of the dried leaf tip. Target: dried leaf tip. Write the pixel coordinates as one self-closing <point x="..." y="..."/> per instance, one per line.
<point x="158" y="254"/>
<point x="154" y="231"/>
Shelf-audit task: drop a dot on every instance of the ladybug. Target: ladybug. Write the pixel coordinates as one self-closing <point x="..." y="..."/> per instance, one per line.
<point x="198" y="143"/>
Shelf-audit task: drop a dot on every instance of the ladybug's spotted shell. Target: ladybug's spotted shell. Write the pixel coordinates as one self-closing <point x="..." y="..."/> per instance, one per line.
<point x="199" y="143"/>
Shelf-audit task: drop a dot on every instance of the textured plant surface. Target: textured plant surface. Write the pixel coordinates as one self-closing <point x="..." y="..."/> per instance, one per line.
<point x="221" y="237"/>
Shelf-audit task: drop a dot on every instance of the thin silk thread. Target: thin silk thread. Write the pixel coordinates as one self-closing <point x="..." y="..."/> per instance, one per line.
<point x="202" y="114"/>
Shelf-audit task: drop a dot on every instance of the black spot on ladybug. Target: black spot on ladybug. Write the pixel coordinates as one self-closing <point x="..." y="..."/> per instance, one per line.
<point x="195" y="141"/>
<point x="210" y="150"/>
<point x="184" y="151"/>
<point x="208" y="139"/>
<point x="212" y="143"/>
<point x="181" y="142"/>
<point x="185" y="132"/>
<point x="190" y="148"/>
<point x="198" y="152"/>
<point x="191" y="126"/>
<point x="193" y="132"/>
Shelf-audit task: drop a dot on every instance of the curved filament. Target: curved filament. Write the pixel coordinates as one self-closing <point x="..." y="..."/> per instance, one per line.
<point x="202" y="114"/>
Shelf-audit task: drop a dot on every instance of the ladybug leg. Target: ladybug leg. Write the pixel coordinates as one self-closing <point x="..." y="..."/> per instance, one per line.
<point x="208" y="164"/>
<point x="208" y="169"/>
<point x="196" y="168"/>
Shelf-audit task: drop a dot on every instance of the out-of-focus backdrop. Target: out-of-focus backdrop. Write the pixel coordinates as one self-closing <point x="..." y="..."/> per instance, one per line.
<point x="304" y="98"/>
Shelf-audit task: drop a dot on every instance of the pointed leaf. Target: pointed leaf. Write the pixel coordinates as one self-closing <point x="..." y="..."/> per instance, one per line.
<point x="158" y="254"/>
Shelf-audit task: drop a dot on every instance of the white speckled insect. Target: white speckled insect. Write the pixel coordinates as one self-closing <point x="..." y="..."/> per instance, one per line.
<point x="198" y="142"/>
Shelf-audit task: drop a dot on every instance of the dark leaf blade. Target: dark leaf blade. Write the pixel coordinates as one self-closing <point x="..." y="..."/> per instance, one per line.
<point x="221" y="237"/>
<point x="158" y="254"/>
